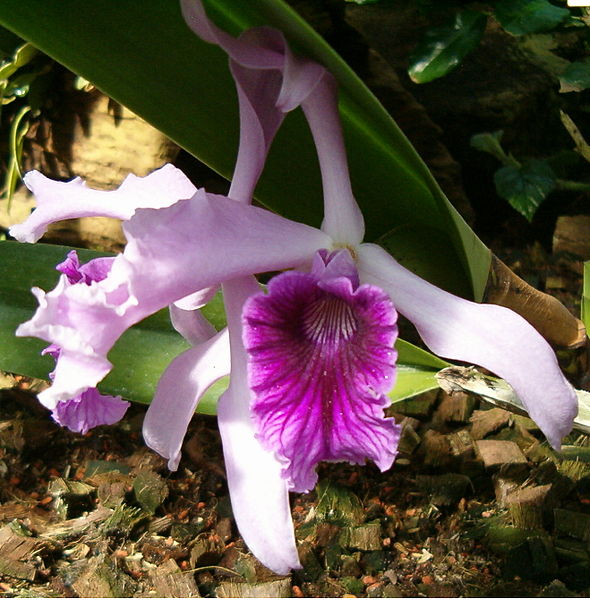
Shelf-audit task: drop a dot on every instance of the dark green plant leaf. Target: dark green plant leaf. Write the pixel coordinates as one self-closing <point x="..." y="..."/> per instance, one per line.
<point x="9" y="42"/>
<point x="525" y="187"/>
<point x="487" y="142"/>
<point x="492" y="144"/>
<point x="401" y="241"/>
<point x="521" y="17"/>
<point x="143" y="55"/>
<point x="576" y="77"/>
<point x="443" y="48"/>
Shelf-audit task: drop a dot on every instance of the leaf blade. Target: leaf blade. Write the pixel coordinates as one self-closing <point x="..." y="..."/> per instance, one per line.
<point x="521" y="17"/>
<point x="444" y="47"/>
<point x="193" y="101"/>
<point x="525" y="187"/>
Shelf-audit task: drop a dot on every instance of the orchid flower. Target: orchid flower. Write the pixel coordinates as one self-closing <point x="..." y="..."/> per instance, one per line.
<point x="312" y="358"/>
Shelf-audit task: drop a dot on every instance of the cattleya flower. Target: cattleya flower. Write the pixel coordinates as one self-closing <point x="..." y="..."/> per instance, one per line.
<point x="312" y="358"/>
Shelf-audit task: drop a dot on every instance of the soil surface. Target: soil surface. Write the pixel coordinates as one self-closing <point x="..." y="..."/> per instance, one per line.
<point x="476" y="505"/>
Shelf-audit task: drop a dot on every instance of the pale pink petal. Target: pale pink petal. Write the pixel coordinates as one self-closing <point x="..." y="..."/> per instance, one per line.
<point x="191" y="325"/>
<point x="232" y="239"/>
<point x="57" y="200"/>
<point x="265" y="96"/>
<point x="181" y="386"/>
<point x="61" y="319"/>
<point x="259" y="495"/>
<point x="343" y="220"/>
<point x="270" y="82"/>
<point x="491" y="336"/>
<point x="189" y="246"/>
<point x="241" y="50"/>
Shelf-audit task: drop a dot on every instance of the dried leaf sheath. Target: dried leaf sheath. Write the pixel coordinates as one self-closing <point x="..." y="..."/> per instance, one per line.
<point x="545" y="313"/>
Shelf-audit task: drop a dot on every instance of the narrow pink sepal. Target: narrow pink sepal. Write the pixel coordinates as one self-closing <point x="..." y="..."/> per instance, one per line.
<point x="259" y="494"/>
<point x="343" y="220"/>
<point x="178" y="392"/>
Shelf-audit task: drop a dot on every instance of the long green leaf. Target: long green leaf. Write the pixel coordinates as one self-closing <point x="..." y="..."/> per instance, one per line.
<point x="143" y="55"/>
<point x="144" y="351"/>
<point x="140" y="356"/>
<point x="416" y="371"/>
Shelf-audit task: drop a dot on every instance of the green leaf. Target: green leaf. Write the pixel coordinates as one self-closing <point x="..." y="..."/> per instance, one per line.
<point x="443" y="48"/>
<point x="525" y="187"/>
<point x="401" y="242"/>
<point x="576" y="77"/>
<point x="145" y="350"/>
<point x="140" y="356"/>
<point x="489" y="142"/>
<point x="144" y="56"/>
<point x="412" y="356"/>
<point x="8" y="42"/>
<point x="521" y="17"/>
<point x="416" y="371"/>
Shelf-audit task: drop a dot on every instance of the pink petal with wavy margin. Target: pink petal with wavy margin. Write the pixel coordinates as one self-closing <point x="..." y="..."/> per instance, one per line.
<point x="321" y="359"/>
<point x="235" y="239"/>
<point x="94" y="270"/>
<point x="57" y="200"/>
<point x="88" y="410"/>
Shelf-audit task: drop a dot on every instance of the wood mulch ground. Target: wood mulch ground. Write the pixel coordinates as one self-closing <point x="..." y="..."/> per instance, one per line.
<point x="476" y="505"/>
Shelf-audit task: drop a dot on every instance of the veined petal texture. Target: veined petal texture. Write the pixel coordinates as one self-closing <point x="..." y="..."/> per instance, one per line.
<point x="321" y="359"/>
<point x="89" y="409"/>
